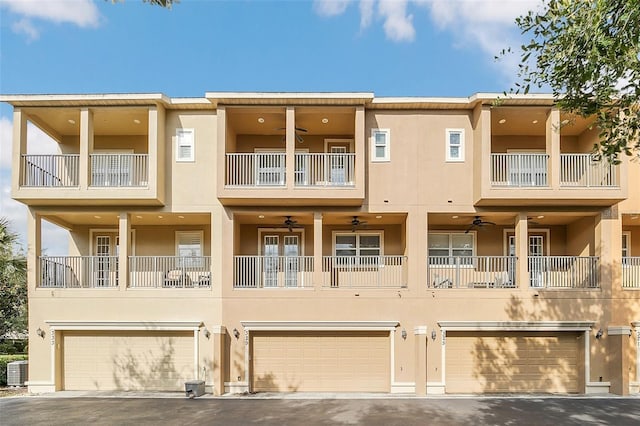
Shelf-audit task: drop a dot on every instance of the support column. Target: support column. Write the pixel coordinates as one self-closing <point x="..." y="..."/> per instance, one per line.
<point x="416" y="249"/>
<point x="522" y="251"/>
<point x="86" y="146"/>
<point x="360" y="147"/>
<point x="34" y="248"/>
<point x="608" y="247"/>
<point x="620" y="356"/>
<point x="219" y="361"/>
<point x="553" y="147"/>
<point x="19" y="148"/>
<point x="290" y="146"/>
<point x="317" y="249"/>
<point x="124" y="232"/>
<point x="420" y="366"/>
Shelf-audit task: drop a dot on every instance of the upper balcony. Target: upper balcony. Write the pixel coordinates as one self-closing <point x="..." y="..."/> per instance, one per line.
<point x="91" y="155"/>
<point x="303" y="154"/>
<point x="536" y="155"/>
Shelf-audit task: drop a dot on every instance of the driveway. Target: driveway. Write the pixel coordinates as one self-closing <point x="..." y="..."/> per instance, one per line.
<point x="380" y="411"/>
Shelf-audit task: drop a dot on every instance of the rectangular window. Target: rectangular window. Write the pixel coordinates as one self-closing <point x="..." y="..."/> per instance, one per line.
<point x="455" y="144"/>
<point x="445" y="247"/>
<point x="189" y="246"/>
<point x="626" y="244"/>
<point x="380" y="145"/>
<point x="361" y="248"/>
<point x="185" y="145"/>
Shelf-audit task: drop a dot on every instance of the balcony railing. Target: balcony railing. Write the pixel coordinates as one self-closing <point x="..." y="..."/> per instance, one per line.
<point x="50" y="170"/>
<point x="325" y="169"/>
<point x="169" y="272"/>
<point x="519" y="170"/>
<point x="631" y="272"/>
<point x="364" y="271"/>
<point x="273" y="271"/>
<point x="255" y="169"/>
<point x="119" y="170"/>
<point x="472" y="271"/>
<point x="78" y="271"/>
<point x="564" y="272"/>
<point x="582" y="170"/>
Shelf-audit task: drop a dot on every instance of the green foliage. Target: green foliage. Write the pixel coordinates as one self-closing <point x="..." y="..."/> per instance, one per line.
<point x="4" y="360"/>
<point x="588" y="53"/>
<point x="13" y="283"/>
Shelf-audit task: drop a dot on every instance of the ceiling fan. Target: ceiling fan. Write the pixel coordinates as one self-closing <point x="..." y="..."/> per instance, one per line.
<point x="298" y="129"/>
<point x="290" y="223"/>
<point x="356" y="223"/>
<point x="478" y="223"/>
<point x="532" y="222"/>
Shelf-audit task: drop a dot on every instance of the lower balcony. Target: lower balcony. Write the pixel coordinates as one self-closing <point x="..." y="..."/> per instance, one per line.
<point x="472" y="271"/>
<point x="364" y="271"/>
<point x="631" y="272"/>
<point x="78" y="272"/>
<point x="273" y="271"/>
<point x="169" y="271"/>
<point x="573" y="272"/>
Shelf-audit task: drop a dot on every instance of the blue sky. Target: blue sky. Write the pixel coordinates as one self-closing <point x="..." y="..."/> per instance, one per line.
<point x="389" y="47"/>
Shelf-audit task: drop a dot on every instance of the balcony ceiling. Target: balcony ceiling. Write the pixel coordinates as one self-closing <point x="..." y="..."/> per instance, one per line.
<point x="97" y="219"/>
<point x="505" y="219"/>
<point x="272" y="219"/>
<point x="520" y="121"/>
<point x="106" y="121"/>
<point x="245" y="121"/>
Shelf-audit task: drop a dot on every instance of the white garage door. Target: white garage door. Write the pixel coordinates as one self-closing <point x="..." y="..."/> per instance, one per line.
<point x="494" y="362"/>
<point x="130" y="360"/>
<point x="321" y="361"/>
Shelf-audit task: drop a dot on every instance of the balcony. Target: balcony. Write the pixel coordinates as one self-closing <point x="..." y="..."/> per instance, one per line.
<point x="631" y="272"/>
<point x="47" y="171"/>
<point x="169" y="271"/>
<point x="564" y="272"/>
<point x="78" y="272"/>
<point x="364" y="271"/>
<point x="255" y="170"/>
<point x="273" y="271"/>
<point x="119" y="170"/>
<point x="582" y="170"/>
<point x="472" y="271"/>
<point x="519" y="170"/>
<point x="325" y="170"/>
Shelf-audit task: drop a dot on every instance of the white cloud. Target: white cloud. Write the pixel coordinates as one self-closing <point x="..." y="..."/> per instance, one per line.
<point x="398" y="25"/>
<point x="366" y="13"/>
<point x="330" y="7"/>
<point x="83" y="13"/>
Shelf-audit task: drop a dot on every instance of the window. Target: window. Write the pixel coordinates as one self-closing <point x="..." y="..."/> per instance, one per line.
<point x="185" y="145"/>
<point x="445" y="247"/>
<point x="626" y="244"/>
<point x="455" y="144"/>
<point x="380" y="145"/>
<point x="365" y="246"/>
<point x="189" y="244"/>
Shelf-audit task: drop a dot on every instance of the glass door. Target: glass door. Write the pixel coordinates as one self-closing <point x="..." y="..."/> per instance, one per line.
<point x="337" y="165"/>
<point x="270" y="261"/>
<point x="102" y="268"/>
<point x="536" y="260"/>
<point x="291" y="260"/>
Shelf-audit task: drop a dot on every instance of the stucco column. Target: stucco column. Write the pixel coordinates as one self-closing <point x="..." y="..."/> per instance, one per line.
<point x="416" y="249"/>
<point x="221" y="148"/>
<point x="124" y="233"/>
<point x="86" y="146"/>
<point x="19" y="146"/>
<point x="317" y="249"/>
<point x="291" y="147"/>
<point x="156" y="149"/>
<point x="34" y="248"/>
<point x="608" y="247"/>
<point x="420" y="366"/>
<point x="522" y="251"/>
<point x="619" y="341"/>
<point x="360" y="149"/>
<point x="553" y="147"/>
<point x="219" y="361"/>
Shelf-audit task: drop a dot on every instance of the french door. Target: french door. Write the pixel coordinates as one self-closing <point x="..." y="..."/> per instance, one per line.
<point x="281" y="262"/>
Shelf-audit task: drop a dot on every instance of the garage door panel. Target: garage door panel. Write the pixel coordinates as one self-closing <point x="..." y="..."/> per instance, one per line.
<point x="320" y="361"/>
<point x="127" y="360"/>
<point x="511" y="362"/>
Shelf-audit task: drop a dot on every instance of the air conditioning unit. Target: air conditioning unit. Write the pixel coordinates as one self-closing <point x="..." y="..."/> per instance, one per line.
<point x="17" y="373"/>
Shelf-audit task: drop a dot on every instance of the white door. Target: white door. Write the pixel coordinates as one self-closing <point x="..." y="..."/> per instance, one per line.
<point x="536" y="260"/>
<point x="338" y="165"/>
<point x="291" y="260"/>
<point x="270" y="261"/>
<point x="270" y="167"/>
<point x="102" y="262"/>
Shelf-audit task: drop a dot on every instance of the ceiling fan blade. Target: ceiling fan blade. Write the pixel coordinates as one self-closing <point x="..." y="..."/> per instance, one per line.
<point x="473" y="225"/>
<point x="302" y="129"/>
<point x="487" y="223"/>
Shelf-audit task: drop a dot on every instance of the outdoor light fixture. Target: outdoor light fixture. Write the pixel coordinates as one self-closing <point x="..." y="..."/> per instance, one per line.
<point x="236" y="333"/>
<point x="206" y="332"/>
<point x="599" y="334"/>
<point x="404" y="334"/>
<point x="40" y="332"/>
<point x="433" y="335"/>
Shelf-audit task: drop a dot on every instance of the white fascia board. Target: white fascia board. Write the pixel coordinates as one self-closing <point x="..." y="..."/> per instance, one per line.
<point x="125" y="325"/>
<point x="319" y="325"/>
<point x="289" y="95"/>
<point x="516" y="325"/>
<point x="423" y="100"/>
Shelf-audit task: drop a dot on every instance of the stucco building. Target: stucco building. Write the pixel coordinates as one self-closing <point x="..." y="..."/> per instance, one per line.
<point x="327" y="242"/>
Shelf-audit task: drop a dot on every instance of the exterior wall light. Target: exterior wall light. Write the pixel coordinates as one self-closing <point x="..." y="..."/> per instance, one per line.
<point x="206" y="332"/>
<point x="40" y="332"/>
<point x="236" y="333"/>
<point x="404" y="334"/>
<point x="599" y="334"/>
<point x="433" y="335"/>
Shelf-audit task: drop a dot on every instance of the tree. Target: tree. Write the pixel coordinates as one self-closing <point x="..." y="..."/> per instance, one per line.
<point x="163" y="3"/>
<point x="13" y="282"/>
<point x="588" y="53"/>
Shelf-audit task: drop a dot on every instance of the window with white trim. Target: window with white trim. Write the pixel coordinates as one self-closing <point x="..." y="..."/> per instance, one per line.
<point x="189" y="244"/>
<point x="359" y="247"/>
<point x="626" y="244"/>
<point x="455" y="144"/>
<point x="185" y="145"/>
<point x="444" y="247"/>
<point x="380" y="145"/>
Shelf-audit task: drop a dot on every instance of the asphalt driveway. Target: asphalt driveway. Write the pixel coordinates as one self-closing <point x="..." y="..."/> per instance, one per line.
<point x="380" y="411"/>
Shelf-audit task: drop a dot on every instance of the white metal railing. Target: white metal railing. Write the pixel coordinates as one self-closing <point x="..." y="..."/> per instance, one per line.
<point x="364" y="271"/>
<point x="273" y="271"/>
<point x="78" y="271"/>
<point x="564" y="272"/>
<point x="631" y="272"/>
<point x="472" y="271"/>
<point x="255" y="169"/>
<point x="520" y="170"/>
<point x="169" y="271"/>
<point x="584" y="170"/>
<point x="50" y="170"/>
<point x="325" y="169"/>
<point x="119" y="170"/>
